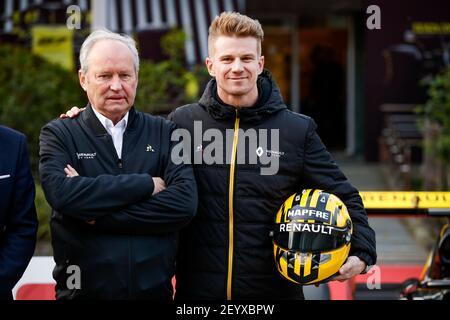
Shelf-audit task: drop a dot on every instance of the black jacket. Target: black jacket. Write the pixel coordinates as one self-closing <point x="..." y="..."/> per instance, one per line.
<point x="18" y="223"/>
<point x="220" y="239"/>
<point x="130" y="251"/>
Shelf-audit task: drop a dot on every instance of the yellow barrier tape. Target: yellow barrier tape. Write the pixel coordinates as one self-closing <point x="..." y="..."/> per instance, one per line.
<point x="405" y="199"/>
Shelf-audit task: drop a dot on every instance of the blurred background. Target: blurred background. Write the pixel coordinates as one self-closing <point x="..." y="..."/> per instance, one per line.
<point x="375" y="79"/>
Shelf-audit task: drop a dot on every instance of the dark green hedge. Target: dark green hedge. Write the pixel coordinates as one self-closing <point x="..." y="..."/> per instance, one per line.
<point x="165" y="85"/>
<point x="33" y="92"/>
<point x="437" y="109"/>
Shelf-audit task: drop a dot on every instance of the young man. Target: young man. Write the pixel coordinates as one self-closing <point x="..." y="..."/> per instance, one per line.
<point x="18" y="223"/>
<point x="118" y="199"/>
<point x="226" y="252"/>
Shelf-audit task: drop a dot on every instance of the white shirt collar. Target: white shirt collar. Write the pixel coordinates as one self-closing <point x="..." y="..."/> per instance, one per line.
<point x="116" y="131"/>
<point x="107" y="123"/>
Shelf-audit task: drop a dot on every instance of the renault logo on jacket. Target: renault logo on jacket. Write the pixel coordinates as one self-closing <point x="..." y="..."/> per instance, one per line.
<point x="86" y="155"/>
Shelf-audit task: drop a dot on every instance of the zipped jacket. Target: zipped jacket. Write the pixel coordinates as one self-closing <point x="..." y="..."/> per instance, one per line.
<point x="129" y="252"/>
<point x="226" y="252"/>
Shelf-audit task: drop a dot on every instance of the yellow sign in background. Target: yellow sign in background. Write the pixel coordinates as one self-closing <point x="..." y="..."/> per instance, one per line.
<point x="405" y="200"/>
<point x="55" y="44"/>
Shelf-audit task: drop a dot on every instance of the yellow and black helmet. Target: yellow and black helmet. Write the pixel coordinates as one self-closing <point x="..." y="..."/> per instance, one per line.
<point x="311" y="237"/>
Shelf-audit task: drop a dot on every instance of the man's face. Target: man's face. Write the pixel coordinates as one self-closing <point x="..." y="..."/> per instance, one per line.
<point x="111" y="80"/>
<point x="236" y="64"/>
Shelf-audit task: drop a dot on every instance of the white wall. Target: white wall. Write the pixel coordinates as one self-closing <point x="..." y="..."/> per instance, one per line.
<point x="39" y="270"/>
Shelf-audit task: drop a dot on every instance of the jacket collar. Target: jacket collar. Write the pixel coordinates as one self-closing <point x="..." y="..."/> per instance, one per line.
<point x="94" y="123"/>
<point x="269" y="102"/>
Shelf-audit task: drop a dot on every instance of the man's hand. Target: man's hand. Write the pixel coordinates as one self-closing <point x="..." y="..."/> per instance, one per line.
<point x="160" y="185"/>
<point x="72" y="113"/>
<point x="351" y="268"/>
<point x="70" y="172"/>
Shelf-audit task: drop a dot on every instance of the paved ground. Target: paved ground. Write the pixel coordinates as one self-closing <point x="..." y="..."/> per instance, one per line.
<point x="395" y="244"/>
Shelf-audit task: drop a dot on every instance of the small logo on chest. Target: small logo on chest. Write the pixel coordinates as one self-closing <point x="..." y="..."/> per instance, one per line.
<point x="86" y="155"/>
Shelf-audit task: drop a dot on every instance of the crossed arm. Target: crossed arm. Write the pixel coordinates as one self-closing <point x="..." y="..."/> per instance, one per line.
<point x="168" y="209"/>
<point x="126" y="203"/>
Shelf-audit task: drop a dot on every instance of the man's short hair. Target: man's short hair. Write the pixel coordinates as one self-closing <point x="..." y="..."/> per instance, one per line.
<point x="237" y="25"/>
<point x="104" y="34"/>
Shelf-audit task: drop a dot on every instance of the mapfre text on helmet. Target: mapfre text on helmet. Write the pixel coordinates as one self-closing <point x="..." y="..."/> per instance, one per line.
<point x="308" y="212"/>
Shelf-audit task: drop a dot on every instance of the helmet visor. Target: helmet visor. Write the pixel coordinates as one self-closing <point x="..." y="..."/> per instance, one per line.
<point x="310" y="237"/>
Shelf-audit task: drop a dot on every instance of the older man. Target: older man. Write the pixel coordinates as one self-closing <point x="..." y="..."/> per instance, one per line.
<point x="118" y="199"/>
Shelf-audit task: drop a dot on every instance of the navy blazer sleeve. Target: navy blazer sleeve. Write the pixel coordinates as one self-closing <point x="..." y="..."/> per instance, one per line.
<point x="322" y="172"/>
<point x="18" y="237"/>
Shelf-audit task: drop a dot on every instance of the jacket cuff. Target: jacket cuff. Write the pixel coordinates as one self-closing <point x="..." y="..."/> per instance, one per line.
<point x="152" y="185"/>
<point x="364" y="257"/>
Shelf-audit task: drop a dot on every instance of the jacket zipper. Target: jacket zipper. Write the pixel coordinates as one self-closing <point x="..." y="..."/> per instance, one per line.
<point x="130" y="245"/>
<point x="230" y="206"/>
<point x="118" y="160"/>
<point x="119" y="163"/>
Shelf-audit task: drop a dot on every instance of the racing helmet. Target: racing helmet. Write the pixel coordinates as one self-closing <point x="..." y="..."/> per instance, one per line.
<point x="311" y="237"/>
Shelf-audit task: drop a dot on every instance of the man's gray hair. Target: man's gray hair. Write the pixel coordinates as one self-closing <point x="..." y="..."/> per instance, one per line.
<point x="104" y="34"/>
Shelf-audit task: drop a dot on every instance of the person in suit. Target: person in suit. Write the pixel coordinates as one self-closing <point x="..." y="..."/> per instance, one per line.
<point x="18" y="222"/>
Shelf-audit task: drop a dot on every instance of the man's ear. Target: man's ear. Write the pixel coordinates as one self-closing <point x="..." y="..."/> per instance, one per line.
<point x="209" y="65"/>
<point x="261" y="64"/>
<point x="82" y="78"/>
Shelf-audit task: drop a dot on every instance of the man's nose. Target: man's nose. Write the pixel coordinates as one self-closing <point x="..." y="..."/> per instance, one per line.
<point x="116" y="83"/>
<point x="237" y="66"/>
